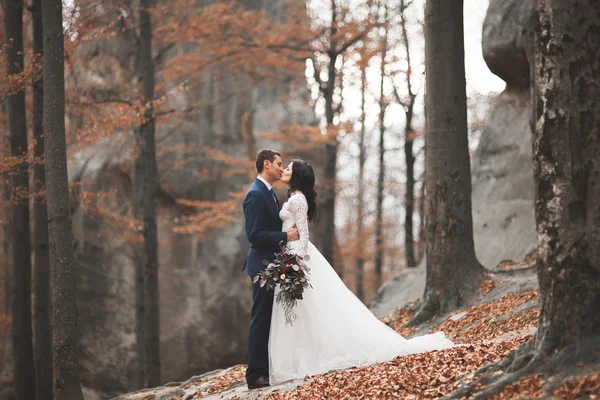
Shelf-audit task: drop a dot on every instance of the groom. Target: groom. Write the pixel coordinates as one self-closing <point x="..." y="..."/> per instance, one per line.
<point x="263" y="229"/>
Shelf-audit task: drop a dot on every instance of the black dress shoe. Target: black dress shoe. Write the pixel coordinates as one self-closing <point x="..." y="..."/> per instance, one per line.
<point x="262" y="381"/>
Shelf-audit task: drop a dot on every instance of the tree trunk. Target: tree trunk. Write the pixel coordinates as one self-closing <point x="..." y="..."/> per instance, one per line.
<point x="246" y="118"/>
<point x="42" y="307"/>
<point x="328" y="192"/>
<point x="379" y="250"/>
<point x="65" y="338"/>
<point x="140" y="261"/>
<point x="139" y="251"/>
<point x="565" y="69"/>
<point x="409" y="135"/>
<point x="453" y="272"/>
<point x="6" y="260"/>
<point x="24" y="371"/>
<point x="360" y="260"/>
<point x="422" y="240"/>
<point x="328" y="185"/>
<point x="567" y="170"/>
<point x="423" y="194"/>
<point x="150" y="189"/>
<point x="409" y="197"/>
<point x="6" y="269"/>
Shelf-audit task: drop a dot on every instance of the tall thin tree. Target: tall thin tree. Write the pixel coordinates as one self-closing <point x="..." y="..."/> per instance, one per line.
<point x="328" y="193"/>
<point x="21" y="305"/>
<point x="140" y="261"/>
<point x="42" y="310"/>
<point x="6" y="261"/>
<point x="409" y="136"/>
<point x="65" y="338"/>
<point x="423" y="193"/>
<point x="147" y="152"/>
<point x="379" y="239"/>
<point x="453" y="272"/>
<point x="362" y="158"/>
<point x="422" y="240"/>
<point x="139" y="251"/>
<point x="337" y="46"/>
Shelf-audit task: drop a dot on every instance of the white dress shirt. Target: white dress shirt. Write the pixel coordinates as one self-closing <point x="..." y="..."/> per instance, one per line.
<point x="269" y="186"/>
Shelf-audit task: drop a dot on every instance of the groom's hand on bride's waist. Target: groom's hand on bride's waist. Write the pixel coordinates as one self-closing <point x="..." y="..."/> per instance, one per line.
<point x="292" y="234"/>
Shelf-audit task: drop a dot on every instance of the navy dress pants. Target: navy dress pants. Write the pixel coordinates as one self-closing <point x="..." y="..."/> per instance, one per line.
<point x="258" y="335"/>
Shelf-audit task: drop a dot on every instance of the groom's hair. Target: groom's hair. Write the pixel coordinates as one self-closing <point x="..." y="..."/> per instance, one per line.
<point x="262" y="156"/>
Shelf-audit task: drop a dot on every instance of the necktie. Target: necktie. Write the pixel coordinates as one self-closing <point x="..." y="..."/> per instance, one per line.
<point x="274" y="198"/>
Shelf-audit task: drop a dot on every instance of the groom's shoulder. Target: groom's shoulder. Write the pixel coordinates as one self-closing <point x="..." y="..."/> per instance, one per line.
<point x="253" y="195"/>
<point x="253" y="186"/>
<point x="252" y="189"/>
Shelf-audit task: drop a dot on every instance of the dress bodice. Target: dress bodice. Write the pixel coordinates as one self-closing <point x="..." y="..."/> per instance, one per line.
<point x="295" y="211"/>
<point x="286" y="217"/>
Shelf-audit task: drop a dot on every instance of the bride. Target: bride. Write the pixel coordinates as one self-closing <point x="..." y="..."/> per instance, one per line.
<point x="333" y="329"/>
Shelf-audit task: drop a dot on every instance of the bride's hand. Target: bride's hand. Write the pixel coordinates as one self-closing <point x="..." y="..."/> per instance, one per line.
<point x="292" y="233"/>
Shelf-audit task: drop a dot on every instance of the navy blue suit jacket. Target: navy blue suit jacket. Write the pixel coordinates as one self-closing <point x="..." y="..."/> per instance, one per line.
<point x="263" y="227"/>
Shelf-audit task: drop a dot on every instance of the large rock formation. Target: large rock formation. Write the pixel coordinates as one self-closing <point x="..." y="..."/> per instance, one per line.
<point x="205" y="299"/>
<point x="502" y="171"/>
<point x="506" y="37"/>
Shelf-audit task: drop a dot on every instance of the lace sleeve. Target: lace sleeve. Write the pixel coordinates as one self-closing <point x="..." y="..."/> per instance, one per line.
<point x="299" y="209"/>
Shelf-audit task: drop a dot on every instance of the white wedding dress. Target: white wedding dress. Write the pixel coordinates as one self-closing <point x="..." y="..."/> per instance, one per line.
<point x="333" y="329"/>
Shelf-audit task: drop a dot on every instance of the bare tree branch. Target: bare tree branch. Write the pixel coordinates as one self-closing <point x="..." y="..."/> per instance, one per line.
<point x="351" y="42"/>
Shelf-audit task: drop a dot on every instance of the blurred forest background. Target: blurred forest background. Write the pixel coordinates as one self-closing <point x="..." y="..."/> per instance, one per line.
<point x="158" y="224"/>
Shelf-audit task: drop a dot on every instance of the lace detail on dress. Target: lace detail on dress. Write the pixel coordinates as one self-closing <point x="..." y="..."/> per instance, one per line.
<point x="298" y="207"/>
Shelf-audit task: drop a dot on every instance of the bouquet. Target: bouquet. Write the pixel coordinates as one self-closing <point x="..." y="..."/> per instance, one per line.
<point x="290" y="272"/>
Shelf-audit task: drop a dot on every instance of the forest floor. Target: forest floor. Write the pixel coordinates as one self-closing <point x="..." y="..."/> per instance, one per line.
<point x="502" y="318"/>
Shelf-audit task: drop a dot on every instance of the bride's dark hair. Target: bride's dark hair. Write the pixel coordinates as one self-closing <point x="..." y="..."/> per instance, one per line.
<point x="303" y="179"/>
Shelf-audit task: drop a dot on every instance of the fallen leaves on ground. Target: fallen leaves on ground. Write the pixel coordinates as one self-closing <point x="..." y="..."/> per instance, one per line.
<point x="433" y="374"/>
<point x="487" y="285"/>
<point x="419" y="376"/>
<point x="483" y="321"/>
<point x="400" y="318"/>
<point x="494" y="329"/>
<point x="579" y="387"/>
<point x="529" y="387"/>
<point x="222" y="382"/>
<point x="527" y="261"/>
